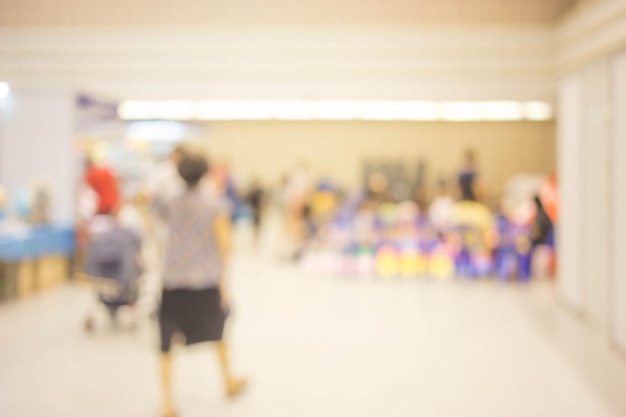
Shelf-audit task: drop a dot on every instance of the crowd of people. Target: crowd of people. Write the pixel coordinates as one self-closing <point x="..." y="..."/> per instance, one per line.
<point x="373" y="232"/>
<point x="187" y="208"/>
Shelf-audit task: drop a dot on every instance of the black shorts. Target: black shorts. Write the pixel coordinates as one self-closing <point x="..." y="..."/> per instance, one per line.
<point x="197" y="314"/>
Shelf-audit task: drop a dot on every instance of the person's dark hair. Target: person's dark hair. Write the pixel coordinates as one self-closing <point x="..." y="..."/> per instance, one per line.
<point x="192" y="168"/>
<point x="538" y="202"/>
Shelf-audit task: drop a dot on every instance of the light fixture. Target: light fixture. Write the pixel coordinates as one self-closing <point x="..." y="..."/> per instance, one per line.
<point x="501" y="110"/>
<point x="538" y="111"/>
<point x="4" y="90"/>
<point x="156" y="131"/>
<point x="450" y="111"/>
<point x="378" y="110"/>
<point x="235" y="110"/>
<point x="460" y="111"/>
<point x="146" y="110"/>
<point x="419" y="110"/>
<point x="295" y="110"/>
<point x="469" y="111"/>
<point x="399" y="110"/>
<point x="336" y="110"/>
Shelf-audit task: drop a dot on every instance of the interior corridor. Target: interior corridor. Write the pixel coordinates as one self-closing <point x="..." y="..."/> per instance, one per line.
<point x="321" y="346"/>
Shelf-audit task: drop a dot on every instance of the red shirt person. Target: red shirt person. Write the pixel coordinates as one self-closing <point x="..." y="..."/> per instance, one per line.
<point x="102" y="180"/>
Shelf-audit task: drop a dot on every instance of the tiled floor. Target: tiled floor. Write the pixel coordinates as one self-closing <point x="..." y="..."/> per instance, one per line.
<point x="319" y="346"/>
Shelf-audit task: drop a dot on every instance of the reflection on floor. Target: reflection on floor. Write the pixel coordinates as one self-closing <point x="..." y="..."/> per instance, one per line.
<point x="319" y="346"/>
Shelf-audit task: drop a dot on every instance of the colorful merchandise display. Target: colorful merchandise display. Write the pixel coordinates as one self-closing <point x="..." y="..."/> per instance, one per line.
<point x="396" y="240"/>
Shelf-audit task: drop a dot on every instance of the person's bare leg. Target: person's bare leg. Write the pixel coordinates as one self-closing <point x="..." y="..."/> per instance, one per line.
<point x="166" y="380"/>
<point x="234" y="386"/>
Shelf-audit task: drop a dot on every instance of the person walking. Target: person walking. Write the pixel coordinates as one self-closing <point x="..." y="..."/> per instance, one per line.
<point x="469" y="184"/>
<point x="103" y="182"/>
<point x="195" y="301"/>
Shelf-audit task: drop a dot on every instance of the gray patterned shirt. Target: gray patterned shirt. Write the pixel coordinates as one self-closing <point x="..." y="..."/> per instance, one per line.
<point x="192" y="258"/>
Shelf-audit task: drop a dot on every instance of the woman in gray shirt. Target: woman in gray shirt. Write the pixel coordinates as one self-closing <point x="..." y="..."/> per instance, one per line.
<point x="194" y="301"/>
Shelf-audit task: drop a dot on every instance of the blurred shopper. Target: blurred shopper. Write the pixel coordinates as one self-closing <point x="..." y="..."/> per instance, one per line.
<point x="256" y="200"/>
<point x="299" y="187"/>
<point x="165" y="185"/>
<point x="279" y="239"/>
<point x="468" y="179"/>
<point x="298" y="194"/>
<point x="225" y="186"/>
<point x="550" y="198"/>
<point x="97" y="195"/>
<point x="86" y="202"/>
<point x="471" y="213"/>
<point x="165" y="182"/>
<point x="441" y="212"/>
<point x="103" y="182"/>
<point x="86" y="208"/>
<point x="324" y="200"/>
<point x="420" y="192"/>
<point x="131" y="213"/>
<point x="195" y="302"/>
<point x="542" y="226"/>
<point x="475" y="222"/>
<point x="378" y="189"/>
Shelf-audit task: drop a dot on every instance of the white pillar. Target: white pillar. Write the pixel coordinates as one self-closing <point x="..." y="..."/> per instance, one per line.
<point x="37" y="141"/>
<point x="571" y="192"/>
<point x="596" y="188"/>
<point x="618" y="253"/>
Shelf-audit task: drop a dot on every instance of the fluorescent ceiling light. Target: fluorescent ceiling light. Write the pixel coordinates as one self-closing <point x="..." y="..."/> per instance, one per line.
<point x="4" y="90"/>
<point x="502" y="110"/>
<point x="399" y="110"/>
<point x="145" y="110"/>
<point x="459" y="111"/>
<point x="336" y="110"/>
<point x="378" y="110"/>
<point x="538" y="110"/>
<point x="483" y="111"/>
<point x="419" y="110"/>
<point x="295" y="110"/>
<point x="156" y="130"/>
<point x="178" y="110"/>
<point x="236" y="110"/>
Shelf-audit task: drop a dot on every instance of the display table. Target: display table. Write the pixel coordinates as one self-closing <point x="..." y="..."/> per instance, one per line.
<point x="34" y="259"/>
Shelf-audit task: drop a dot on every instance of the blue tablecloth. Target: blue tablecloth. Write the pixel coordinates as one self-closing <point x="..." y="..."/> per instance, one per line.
<point x="38" y="242"/>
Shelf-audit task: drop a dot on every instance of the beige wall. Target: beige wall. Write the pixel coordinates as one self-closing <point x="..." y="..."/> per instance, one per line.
<point x="267" y="149"/>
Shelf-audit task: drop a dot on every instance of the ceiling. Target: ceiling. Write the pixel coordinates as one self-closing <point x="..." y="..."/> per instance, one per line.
<point x="159" y="13"/>
<point x="471" y="63"/>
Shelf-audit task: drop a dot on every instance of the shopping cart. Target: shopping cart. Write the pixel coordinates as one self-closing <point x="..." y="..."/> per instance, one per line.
<point x="113" y="267"/>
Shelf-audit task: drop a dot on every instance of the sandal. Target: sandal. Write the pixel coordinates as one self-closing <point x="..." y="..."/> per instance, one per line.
<point x="236" y="387"/>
